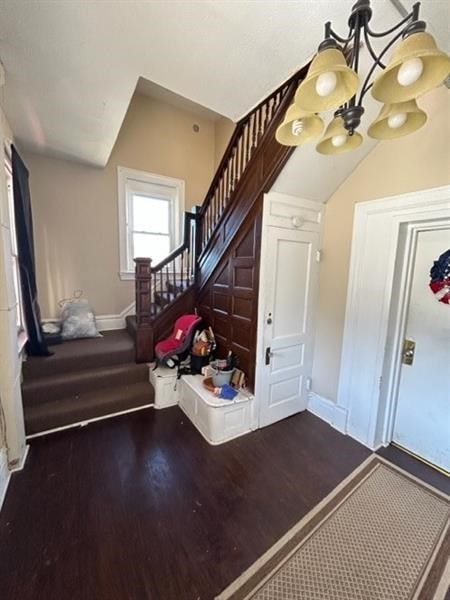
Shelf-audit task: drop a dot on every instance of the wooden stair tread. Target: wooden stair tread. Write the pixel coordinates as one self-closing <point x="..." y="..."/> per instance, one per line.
<point x="60" y="385"/>
<point x="89" y="405"/>
<point x="114" y="347"/>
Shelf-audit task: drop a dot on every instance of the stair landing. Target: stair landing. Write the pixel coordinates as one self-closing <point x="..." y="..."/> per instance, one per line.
<point x="83" y="380"/>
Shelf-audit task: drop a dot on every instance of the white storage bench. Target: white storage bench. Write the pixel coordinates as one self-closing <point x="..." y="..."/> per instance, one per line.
<point x="166" y="386"/>
<point x="217" y="420"/>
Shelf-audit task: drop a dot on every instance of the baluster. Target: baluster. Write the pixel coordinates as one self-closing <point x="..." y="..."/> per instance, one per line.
<point x="232" y="171"/>
<point x="238" y="159"/>
<point x="222" y="193"/>
<point x="189" y="264"/>
<point x="225" y="185"/>
<point x="167" y="284"/>
<point x="272" y="107"/>
<point x="188" y="267"/>
<point x="209" y="220"/>
<point x="261" y="122"/>
<point x="278" y="99"/>
<point x="182" y="271"/>
<point x="215" y="205"/>
<point x="174" y="277"/>
<point x="266" y="115"/>
<point x="204" y="230"/>
<point x="254" y="131"/>
<point x="161" y="289"/>
<point x="207" y="214"/>
<point x="242" y="153"/>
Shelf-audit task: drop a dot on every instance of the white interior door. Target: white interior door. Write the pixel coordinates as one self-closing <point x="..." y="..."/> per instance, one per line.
<point x="422" y="422"/>
<point x="287" y="292"/>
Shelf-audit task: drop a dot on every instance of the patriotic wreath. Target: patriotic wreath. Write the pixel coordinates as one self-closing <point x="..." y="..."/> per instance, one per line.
<point x="440" y="278"/>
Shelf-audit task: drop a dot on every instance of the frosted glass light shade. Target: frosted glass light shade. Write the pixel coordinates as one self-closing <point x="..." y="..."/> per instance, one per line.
<point x="396" y="83"/>
<point x="410" y="71"/>
<point x="333" y="141"/>
<point x="326" y="83"/>
<point x="298" y="127"/>
<point x="330" y="60"/>
<point x="381" y="129"/>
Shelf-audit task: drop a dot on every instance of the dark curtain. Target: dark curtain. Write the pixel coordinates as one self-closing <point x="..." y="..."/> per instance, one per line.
<point x="36" y="345"/>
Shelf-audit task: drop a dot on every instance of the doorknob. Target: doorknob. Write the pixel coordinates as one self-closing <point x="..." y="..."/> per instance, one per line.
<point x="269" y="355"/>
<point x="409" y="347"/>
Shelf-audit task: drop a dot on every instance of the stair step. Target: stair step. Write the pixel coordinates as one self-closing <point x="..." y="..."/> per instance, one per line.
<point x="98" y="403"/>
<point x="114" y="348"/>
<point x="54" y="387"/>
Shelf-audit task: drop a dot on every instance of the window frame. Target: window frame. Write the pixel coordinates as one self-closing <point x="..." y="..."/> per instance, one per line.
<point x="131" y="180"/>
<point x="14" y="253"/>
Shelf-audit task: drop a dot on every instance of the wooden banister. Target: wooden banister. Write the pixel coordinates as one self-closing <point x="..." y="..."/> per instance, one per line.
<point x="159" y="286"/>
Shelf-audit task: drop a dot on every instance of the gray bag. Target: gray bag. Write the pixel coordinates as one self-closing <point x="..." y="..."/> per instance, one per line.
<point x="78" y="320"/>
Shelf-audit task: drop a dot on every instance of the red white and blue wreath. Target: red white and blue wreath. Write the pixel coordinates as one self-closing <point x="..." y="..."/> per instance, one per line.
<point x="440" y="278"/>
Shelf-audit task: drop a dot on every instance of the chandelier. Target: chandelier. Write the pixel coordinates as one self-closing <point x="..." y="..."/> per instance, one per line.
<point x="332" y="83"/>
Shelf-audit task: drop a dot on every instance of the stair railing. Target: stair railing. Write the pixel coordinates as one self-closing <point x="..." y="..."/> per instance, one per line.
<point x="176" y="273"/>
<point x="168" y="279"/>
<point x="244" y="142"/>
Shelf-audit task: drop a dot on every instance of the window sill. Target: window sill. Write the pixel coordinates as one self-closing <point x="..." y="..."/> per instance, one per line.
<point x="126" y="275"/>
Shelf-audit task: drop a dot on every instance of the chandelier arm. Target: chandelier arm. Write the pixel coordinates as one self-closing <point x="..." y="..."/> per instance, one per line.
<point x="349" y="39"/>
<point x="340" y="39"/>
<point x="357" y="39"/>
<point x="372" y="52"/>
<point x="379" y="34"/>
<point x="366" y="86"/>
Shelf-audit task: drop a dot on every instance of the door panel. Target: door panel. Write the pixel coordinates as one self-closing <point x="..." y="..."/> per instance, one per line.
<point x="422" y="423"/>
<point x="289" y="283"/>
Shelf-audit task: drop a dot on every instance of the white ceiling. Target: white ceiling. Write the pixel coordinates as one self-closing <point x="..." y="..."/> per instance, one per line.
<point x="72" y="65"/>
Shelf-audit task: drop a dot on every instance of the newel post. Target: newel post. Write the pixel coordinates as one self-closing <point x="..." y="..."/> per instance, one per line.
<point x="143" y="292"/>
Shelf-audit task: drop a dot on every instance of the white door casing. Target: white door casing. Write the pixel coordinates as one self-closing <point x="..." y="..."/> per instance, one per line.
<point x="288" y="289"/>
<point x="375" y="315"/>
<point x="422" y="415"/>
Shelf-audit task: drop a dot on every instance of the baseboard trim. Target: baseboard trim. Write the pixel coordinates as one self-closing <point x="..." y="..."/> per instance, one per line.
<point x="88" y="421"/>
<point x="22" y="461"/>
<point x="108" y="322"/>
<point x="5" y="475"/>
<point x="328" y="411"/>
<point x="334" y="415"/>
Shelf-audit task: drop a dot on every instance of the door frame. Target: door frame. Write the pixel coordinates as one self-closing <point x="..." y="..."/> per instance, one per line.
<point x="384" y="237"/>
<point x="289" y="212"/>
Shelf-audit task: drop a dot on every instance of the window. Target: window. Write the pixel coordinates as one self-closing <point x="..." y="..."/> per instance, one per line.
<point x="14" y="253"/>
<point x="150" y="211"/>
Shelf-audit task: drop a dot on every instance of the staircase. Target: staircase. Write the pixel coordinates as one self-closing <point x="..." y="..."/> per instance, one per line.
<point x="83" y="380"/>
<point x="214" y="249"/>
<point x="215" y="270"/>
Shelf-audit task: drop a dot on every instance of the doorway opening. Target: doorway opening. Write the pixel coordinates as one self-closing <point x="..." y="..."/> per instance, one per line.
<point x="418" y="348"/>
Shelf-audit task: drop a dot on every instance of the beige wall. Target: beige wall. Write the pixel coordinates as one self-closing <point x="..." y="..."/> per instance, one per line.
<point x="418" y="161"/>
<point x="75" y="206"/>
<point x="223" y="130"/>
<point x="12" y="433"/>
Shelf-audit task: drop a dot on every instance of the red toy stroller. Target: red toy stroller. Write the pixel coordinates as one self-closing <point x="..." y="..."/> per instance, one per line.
<point x="179" y="342"/>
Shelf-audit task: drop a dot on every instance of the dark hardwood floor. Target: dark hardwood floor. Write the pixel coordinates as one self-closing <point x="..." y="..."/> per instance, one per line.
<point x="141" y="508"/>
